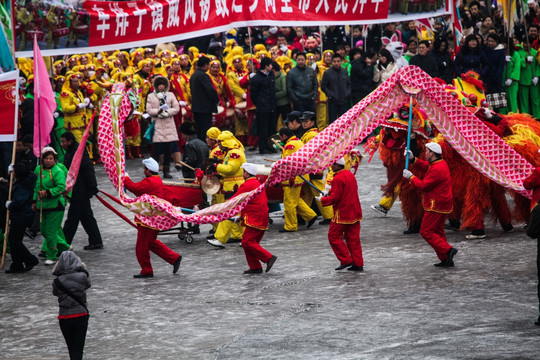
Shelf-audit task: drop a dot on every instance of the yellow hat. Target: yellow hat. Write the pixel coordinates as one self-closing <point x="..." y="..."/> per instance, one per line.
<point x="227" y="139"/>
<point x="259" y="47"/>
<point x="213" y="133"/>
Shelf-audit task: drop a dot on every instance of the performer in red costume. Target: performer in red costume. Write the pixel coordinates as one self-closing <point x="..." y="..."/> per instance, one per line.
<point x="343" y="196"/>
<point x="436" y="187"/>
<point x="146" y="236"/>
<point x="255" y="219"/>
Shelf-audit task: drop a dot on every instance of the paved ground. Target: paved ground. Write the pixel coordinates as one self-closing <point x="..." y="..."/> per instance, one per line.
<point x="400" y="307"/>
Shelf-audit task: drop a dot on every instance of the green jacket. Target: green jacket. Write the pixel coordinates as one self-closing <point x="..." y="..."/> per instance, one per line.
<point x="512" y="70"/>
<point x="53" y="181"/>
<point x="281" y="89"/>
<point x="528" y="71"/>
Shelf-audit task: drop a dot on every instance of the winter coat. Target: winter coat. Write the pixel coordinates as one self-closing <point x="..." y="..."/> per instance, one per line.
<point x="496" y="62"/>
<point x="436" y="186"/>
<point x="444" y="65"/>
<point x="53" y="181"/>
<point x="336" y="85"/>
<point x="343" y="196"/>
<point x="165" y="128"/>
<point x="195" y="151"/>
<point x="361" y="79"/>
<point x="282" y="98"/>
<point x="302" y="84"/>
<point x="384" y="73"/>
<point x="255" y="214"/>
<point x="426" y="63"/>
<point x="471" y="60"/>
<point x="74" y="277"/>
<point x="86" y="184"/>
<point x="262" y="91"/>
<point x="20" y="209"/>
<point x="204" y="98"/>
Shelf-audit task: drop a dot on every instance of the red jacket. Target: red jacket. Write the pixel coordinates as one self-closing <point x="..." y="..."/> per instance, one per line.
<point x="255" y="214"/>
<point x="150" y="185"/>
<point x="532" y="182"/>
<point x="436" y="186"/>
<point x="343" y="196"/>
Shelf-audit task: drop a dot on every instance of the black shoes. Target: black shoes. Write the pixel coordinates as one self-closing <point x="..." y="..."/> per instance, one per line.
<point x="356" y="268"/>
<point x="30" y="266"/>
<point x="343" y="266"/>
<point x="412" y="230"/>
<point x="234" y="241"/>
<point x="325" y="222"/>
<point x="285" y="230"/>
<point x="142" y="276"/>
<point x="311" y="222"/>
<point x="93" y="247"/>
<point x="42" y="254"/>
<point x="270" y="263"/>
<point x="210" y="237"/>
<point x="176" y="265"/>
<point x="167" y="175"/>
<point x="253" y="271"/>
<point x="31" y="234"/>
<point x="14" y="271"/>
<point x="537" y="322"/>
<point x="449" y="262"/>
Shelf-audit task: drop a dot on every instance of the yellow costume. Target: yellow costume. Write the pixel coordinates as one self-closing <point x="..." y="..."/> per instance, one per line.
<point x="292" y="202"/>
<point x="321" y="106"/>
<point x="316" y="179"/>
<point x="75" y="118"/>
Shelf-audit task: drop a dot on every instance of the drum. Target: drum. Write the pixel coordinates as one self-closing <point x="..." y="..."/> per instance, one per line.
<point x="61" y="32"/>
<point x="81" y="29"/>
<point x="241" y="105"/>
<point x="210" y="184"/>
<point x="39" y="34"/>
<point x="182" y="194"/>
<point x="229" y="112"/>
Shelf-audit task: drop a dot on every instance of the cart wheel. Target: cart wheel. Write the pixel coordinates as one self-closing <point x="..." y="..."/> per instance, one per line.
<point x="189" y="239"/>
<point x="183" y="233"/>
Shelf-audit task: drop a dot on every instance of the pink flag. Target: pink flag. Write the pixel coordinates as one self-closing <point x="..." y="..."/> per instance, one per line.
<point x="44" y="103"/>
<point x="76" y="162"/>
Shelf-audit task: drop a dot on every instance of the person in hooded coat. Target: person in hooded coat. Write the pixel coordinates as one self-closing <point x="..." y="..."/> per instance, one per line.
<point x="70" y="287"/>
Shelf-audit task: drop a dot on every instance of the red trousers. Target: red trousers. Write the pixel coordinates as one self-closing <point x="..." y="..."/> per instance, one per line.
<point x="432" y="230"/>
<point x="255" y="253"/>
<point x="147" y="241"/>
<point x="350" y="250"/>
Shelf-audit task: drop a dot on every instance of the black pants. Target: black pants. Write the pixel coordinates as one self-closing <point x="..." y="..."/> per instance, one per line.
<point x="304" y="105"/>
<point x="203" y="122"/>
<point x="19" y="253"/>
<point x="335" y="110"/>
<point x="165" y="149"/>
<point x="283" y="110"/>
<point x="266" y="126"/>
<point x="81" y="211"/>
<point x="74" y="331"/>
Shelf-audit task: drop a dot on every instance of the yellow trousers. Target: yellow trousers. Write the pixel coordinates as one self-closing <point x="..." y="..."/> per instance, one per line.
<point x="388" y="201"/>
<point x="322" y="115"/>
<point x="226" y="229"/>
<point x="294" y="205"/>
<point x="309" y="194"/>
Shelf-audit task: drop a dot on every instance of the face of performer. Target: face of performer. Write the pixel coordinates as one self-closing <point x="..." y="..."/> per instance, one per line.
<point x="64" y="143"/>
<point x="184" y="61"/>
<point x="210" y="142"/>
<point x="237" y="64"/>
<point x="246" y="175"/>
<point x="214" y="69"/>
<point x="335" y="167"/>
<point x="74" y="82"/>
<point x="327" y="58"/>
<point x="58" y="84"/>
<point x="430" y="155"/>
<point x="307" y="123"/>
<point x="294" y="125"/>
<point x="176" y="67"/>
<point x="301" y="61"/>
<point x="48" y="161"/>
<point x="83" y="60"/>
<point x="147" y="173"/>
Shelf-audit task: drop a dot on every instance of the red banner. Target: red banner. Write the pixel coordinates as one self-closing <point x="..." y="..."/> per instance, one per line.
<point x="136" y="21"/>
<point x="9" y="105"/>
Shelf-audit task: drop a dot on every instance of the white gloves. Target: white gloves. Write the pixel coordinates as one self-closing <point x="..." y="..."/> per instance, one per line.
<point x="182" y="103"/>
<point x="163" y="115"/>
<point x="244" y="96"/>
<point x="56" y="115"/>
<point x="82" y="105"/>
<point x="324" y="193"/>
<point x="90" y="106"/>
<point x="407" y="174"/>
<point x="126" y="174"/>
<point x="235" y="219"/>
<point x="8" y="203"/>
<point x="164" y="107"/>
<point x="283" y="48"/>
<point x="508" y="82"/>
<point x="409" y="153"/>
<point x="487" y="113"/>
<point x="10" y="168"/>
<point x="86" y="101"/>
<point x="530" y="59"/>
<point x="318" y="198"/>
<point x="535" y="80"/>
<point x="146" y="116"/>
<point x="314" y="66"/>
<point x="508" y="59"/>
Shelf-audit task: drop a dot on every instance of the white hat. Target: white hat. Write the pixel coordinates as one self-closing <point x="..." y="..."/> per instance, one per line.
<point x="151" y="164"/>
<point x="47" y="149"/>
<point x="436" y="148"/>
<point x="273" y="30"/>
<point x="341" y="162"/>
<point x="250" y="168"/>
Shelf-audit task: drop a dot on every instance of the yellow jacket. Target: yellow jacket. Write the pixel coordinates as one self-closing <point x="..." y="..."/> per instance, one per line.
<point x="231" y="170"/>
<point x="292" y="145"/>
<point x="233" y="78"/>
<point x="74" y="118"/>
